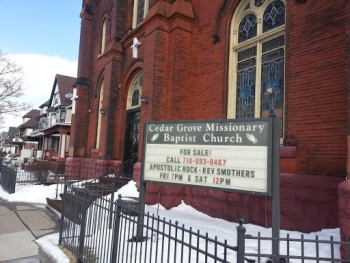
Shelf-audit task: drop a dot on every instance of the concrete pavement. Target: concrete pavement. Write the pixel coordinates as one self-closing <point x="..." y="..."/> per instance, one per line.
<point x="20" y="225"/>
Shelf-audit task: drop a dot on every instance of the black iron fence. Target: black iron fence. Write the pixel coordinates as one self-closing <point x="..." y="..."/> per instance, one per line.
<point x="13" y="178"/>
<point x="309" y="249"/>
<point x="87" y="222"/>
<point x="95" y="228"/>
<point x="163" y="240"/>
<point x="8" y="178"/>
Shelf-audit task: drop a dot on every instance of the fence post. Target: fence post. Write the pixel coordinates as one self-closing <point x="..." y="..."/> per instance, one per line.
<point x="116" y="230"/>
<point x="83" y="226"/>
<point x="13" y="179"/>
<point x="141" y="211"/>
<point x="240" y="241"/>
<point x="62" y="213"/>
<point x="111" y="208"/>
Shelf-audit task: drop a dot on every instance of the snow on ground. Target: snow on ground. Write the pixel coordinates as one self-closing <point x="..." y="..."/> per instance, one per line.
<point x="184" y="214"/>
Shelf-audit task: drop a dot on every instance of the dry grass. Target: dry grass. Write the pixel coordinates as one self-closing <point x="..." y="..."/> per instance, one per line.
<point x="72" y="258"/>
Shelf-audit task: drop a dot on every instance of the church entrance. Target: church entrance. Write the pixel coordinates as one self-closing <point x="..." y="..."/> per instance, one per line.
<point x="132" y="129"/>
<point x="132" y="125"/>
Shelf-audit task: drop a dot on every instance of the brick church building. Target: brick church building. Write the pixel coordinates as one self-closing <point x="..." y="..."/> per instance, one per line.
<point x="159" y="60"/>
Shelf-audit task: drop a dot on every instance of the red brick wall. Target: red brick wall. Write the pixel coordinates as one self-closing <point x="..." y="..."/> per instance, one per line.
<point x="315" y="79"/>
<point x="186" y="77"/>
<point x="315" y="88"/>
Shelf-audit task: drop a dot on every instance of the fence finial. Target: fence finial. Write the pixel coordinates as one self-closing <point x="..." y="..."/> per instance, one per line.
<point x="241" y="221"/>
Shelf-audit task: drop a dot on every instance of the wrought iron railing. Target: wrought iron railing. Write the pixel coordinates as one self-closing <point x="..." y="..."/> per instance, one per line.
<point x="98" y="229"/>
<point x="330" y="248"/>
<point x="8" y="178"/>
<point x="14" y="178"/>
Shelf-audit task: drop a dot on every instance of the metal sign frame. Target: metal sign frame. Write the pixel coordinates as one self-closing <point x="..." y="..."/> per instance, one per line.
<point x="173" y="149"/>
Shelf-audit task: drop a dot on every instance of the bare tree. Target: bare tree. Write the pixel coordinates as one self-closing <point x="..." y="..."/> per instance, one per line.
<point x="11" y="87"/>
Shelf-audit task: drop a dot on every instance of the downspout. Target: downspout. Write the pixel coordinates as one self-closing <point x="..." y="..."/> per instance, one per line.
<point x="344" y="187"/>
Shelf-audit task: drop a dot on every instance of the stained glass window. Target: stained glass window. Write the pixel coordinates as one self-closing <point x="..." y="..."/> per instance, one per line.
<point x="135" y="91"/>
<point x="140" y="81"/>
<point x="259" y="2"/>
<point x="272" y="78"/>
<point x="135" y="98"/>
<point x="274" y="16"/>
<point x="256" y="89"/>
<point x="140" y="11"/>
<point x="246" y="74"/>
<point x="247" y="28"/>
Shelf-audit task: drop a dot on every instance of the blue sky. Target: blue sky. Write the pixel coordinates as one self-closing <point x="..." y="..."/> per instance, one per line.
<point x="41" y="36"/>
<point x="47" y="27"/>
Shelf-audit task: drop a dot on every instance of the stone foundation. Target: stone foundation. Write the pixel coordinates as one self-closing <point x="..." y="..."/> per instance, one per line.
<point x="88" y="168"/>
<point x="308" y="203"/>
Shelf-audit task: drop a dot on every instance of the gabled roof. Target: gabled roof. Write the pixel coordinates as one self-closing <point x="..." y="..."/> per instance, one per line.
<point x="46" y="103"/>
<point x="31" y="123"/>
<point x="65" y="85"/>
<point x="12" y="132"/>
<point x="33" y="113"/>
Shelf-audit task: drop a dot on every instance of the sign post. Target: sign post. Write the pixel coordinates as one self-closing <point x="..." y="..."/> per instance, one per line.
<point x="276" y="208"/>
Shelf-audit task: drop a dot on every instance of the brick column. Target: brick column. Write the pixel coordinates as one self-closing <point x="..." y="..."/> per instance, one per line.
<point x="112" y="81"/>
<point x="80" y="120"/>
<point x="168" y="27"/>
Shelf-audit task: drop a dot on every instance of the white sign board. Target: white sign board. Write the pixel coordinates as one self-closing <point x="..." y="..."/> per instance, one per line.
<point x="230" y="155"/>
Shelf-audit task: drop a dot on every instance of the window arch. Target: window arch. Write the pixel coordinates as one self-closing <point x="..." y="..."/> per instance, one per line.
<point x="256" y="65"/>
<point x="135" y="91"/>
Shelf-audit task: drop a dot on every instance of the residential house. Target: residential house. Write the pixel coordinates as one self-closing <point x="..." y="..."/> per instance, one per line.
<point x="43" y="119"/>
<point x="12" y="142"/>
<point x="159" y="60"/>
<point x="42" y="124"/>
<point x="54" y="121"/>
<point x="29" y="124"/>
<point x="2" y="140"/>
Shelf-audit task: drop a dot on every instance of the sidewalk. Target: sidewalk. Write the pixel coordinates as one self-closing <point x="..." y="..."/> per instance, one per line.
<point x="20" y="225"/>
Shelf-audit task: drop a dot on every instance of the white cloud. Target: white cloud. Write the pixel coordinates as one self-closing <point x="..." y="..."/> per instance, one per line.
<point x="39" y="75"/>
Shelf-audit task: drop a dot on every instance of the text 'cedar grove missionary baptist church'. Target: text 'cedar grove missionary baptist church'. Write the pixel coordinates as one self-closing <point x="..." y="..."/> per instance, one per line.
<point x="181" y="133"/>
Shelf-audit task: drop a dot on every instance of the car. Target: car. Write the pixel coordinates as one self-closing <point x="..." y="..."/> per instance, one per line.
<point x="9" y="158"/>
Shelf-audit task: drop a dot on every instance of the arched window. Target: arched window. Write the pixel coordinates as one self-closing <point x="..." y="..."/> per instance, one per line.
<point x="99" y="116"/>
<point x="257" y="58"/>
<point x="140" y="11"/>
<point x="103" y="36"/>
<point x="135" y="91"/>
